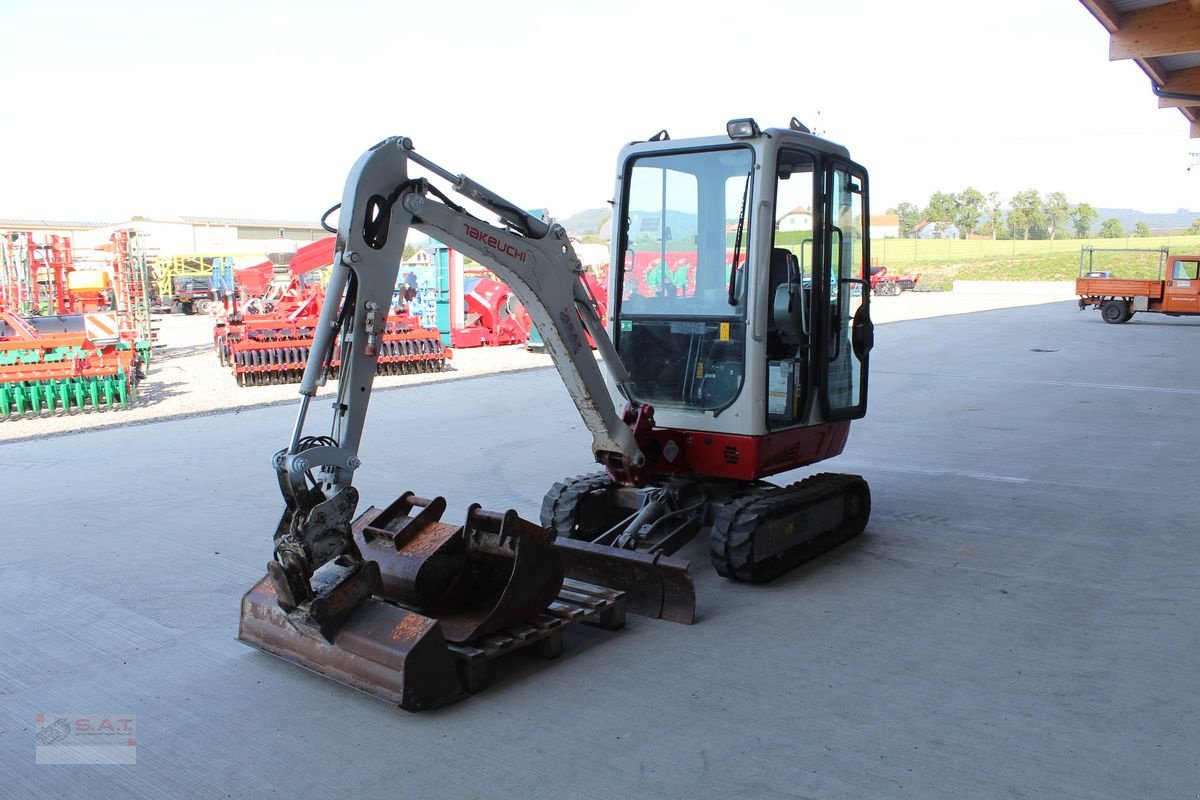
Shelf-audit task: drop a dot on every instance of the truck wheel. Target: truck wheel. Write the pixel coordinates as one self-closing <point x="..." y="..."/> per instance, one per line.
<point x="1115" y="312"/>
<point x="188" y="308"/>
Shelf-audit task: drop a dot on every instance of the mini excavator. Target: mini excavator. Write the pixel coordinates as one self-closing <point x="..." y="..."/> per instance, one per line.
<point x="736" y="348"/>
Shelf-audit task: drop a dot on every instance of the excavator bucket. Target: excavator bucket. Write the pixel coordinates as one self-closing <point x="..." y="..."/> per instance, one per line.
<point x="495" y="571"/>
<point x="396" y="624"/>
<point x="387" y="651"/>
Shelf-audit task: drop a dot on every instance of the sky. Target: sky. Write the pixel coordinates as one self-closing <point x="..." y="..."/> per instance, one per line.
<point x="259" y="109"/>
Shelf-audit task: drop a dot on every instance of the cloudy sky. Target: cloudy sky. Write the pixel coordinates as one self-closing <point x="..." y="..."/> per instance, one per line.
<point x="258" y="109"/>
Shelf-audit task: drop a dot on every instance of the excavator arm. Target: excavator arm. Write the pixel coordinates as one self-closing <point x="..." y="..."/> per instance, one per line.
<point x="381" y="202"/>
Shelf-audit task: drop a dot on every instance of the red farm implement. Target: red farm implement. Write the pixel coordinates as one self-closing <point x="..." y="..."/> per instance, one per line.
<point x="271" y="347"/>
<point x="884" y="284"/>
<point x="494" y="317"/>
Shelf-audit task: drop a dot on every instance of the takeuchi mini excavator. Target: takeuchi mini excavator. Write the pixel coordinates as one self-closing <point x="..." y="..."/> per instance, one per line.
<point x="733" y="351"/>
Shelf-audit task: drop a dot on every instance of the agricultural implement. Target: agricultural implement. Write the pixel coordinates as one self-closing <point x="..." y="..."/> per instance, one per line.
<point x="70" y="340"/>
<point x="494" y="316"/>
<point x="49" y="364"/>
<point x="884" y="284"/>
<point x="272" y="347"/>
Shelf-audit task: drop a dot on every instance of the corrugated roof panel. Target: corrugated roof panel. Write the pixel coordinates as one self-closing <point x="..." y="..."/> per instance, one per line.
<point x="1136" y="5"/>
<point x="258" y="223"/>
<point x="1180" y="61"/>
<point x="9" y="223"/>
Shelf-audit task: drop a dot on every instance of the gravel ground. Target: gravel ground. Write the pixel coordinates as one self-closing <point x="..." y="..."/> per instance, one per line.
<point x="186" y="379"/>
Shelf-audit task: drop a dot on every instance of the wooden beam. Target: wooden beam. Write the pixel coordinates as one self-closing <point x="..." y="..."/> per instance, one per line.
<point x="1164" y="30"/>
<point x="1196" y="130"/>
<point x="1181" y="81"/>
<point x="1106" y="13"/>
<point x="1154" y="68"/>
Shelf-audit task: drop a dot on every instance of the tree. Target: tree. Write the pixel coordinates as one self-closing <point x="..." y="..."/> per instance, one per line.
<point x="910" y="217"/>
<point x="1195" y="229"/>
<point x="1112" y="229"/>
<point x="993" y="224"/>
<point x="1141" y="229"/>
<point x="1026" y="212"/>
<point x="970" y="202"/>
<point x="1082" y="218"/>
<point x="941" y="210"/>
<point x="1058" y="211"/>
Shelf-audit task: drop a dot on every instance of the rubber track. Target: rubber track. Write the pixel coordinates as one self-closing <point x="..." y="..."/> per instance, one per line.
<point x="561" y="503"/>
<point x="731" y="540"/>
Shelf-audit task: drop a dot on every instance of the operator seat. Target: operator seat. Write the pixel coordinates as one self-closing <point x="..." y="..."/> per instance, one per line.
<point x="786" y="302"/>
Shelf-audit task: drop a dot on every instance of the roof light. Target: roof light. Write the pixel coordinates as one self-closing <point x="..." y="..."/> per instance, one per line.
<point x="742" y="128"/>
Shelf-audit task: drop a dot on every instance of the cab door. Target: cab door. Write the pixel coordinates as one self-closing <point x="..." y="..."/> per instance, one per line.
<point x="1182" y="294"/>
<point x="846" y="318"/>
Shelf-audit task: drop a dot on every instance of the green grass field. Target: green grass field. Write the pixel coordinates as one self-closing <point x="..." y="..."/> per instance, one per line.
<point x="943" y="261"/>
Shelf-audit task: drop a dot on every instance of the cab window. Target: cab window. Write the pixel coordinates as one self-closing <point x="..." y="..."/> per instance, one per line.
<point x="680" y="315"/>
<point x="1186" y="270"/>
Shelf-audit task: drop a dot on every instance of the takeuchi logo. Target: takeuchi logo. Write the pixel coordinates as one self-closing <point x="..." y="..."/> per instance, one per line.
<point x="485" y="238"/>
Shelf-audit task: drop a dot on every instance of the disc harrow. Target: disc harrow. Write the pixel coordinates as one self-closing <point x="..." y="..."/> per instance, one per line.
<point x="267" y="355"/>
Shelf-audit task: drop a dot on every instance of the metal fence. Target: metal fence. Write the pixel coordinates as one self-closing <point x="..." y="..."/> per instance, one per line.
<point x="909" y="251"/>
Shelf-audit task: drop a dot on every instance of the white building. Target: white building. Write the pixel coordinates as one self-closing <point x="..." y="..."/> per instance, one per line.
<point x="173" y="236"/>
<point x="798" y="219"/>
<point x="885" y="226"/>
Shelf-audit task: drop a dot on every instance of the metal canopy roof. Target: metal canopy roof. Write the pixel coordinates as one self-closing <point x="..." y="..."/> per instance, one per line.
<point x="1163" y="38"/>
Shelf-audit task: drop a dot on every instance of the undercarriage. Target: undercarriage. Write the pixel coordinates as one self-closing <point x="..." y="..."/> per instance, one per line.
<point x="756" y="530"/>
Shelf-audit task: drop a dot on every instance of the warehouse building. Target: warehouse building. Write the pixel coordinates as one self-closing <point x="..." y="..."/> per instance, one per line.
<point x="172" y="236"/>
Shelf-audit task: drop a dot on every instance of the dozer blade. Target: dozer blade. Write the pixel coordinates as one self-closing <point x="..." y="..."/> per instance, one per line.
<point x="379" y="648"/>
<point x="655" y="586"/>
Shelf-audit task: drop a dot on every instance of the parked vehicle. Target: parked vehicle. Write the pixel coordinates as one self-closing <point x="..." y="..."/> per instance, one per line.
<point x="1176" y="292"/>
<point x="191" y="293"/>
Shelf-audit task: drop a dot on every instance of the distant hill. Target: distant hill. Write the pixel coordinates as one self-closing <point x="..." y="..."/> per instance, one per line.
<point x="588" y="222"/>
<point x="1158" y="223"/>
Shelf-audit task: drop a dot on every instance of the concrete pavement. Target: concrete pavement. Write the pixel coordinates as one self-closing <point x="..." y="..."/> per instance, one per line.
<point x="1019" y="619"/>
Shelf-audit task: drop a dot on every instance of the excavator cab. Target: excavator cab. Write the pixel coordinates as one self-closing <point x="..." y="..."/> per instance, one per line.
<point x="740" y="305"/>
